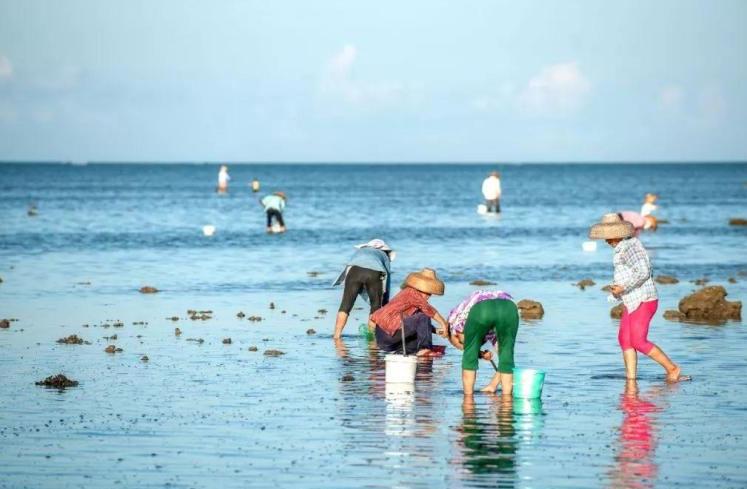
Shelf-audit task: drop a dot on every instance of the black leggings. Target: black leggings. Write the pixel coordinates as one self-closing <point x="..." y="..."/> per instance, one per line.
<point x="358" y="279"/>
<point x="278" y="216"/>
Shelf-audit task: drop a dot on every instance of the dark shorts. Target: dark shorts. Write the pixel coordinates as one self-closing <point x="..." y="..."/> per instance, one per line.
<point x="358" y="279"/>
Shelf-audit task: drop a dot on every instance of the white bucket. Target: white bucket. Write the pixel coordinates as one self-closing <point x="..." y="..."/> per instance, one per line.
<point x="208" y="230"/>
<point x="400" y="368"/>
<point x="482" y="209"/>
<point x="589" y="246"/>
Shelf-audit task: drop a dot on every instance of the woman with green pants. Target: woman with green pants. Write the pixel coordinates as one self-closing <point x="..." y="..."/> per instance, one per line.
<point x="485" y="316"/>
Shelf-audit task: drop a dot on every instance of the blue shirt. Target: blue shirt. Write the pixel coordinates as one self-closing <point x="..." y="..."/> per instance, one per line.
<point x="273" y="202"/>
<point x="372" y="259"/>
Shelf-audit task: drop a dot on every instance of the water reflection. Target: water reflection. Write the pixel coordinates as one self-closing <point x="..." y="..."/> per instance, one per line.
<point x="488" y="443"/>
<point x="635" y="467"/>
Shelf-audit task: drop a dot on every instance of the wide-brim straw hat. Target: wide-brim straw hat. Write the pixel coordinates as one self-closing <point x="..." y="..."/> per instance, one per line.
<point x="281" y="194"/>
<point x="425" y="281"/>
<point x="611" y="226"/>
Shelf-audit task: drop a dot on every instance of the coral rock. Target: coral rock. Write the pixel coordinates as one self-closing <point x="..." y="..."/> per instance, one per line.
<point x="58" y="381"/>
<point x="666" y="280"/>
<point x="710" y="304"/>
<point x="587" y="282"/>
<point x="481" y="282"/>
<point x="529" y="309"/>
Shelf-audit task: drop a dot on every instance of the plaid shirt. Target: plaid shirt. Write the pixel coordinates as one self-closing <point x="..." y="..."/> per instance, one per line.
<point x="407" y="302"/>
<point x="633" y="273"/>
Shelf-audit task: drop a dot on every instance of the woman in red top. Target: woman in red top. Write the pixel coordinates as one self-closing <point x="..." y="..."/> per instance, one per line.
<point x="410" y="312"/>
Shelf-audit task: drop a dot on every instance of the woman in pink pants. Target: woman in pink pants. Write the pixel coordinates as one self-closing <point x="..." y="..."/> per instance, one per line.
<point x="633" y="285"/>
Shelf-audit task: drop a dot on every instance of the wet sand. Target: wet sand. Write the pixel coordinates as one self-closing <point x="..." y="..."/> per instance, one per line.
<point x="208" y="414"/>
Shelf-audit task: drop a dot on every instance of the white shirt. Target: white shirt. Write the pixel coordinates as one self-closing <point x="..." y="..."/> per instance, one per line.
<point x="647" y="209"/>
<point x="491" y="188"/>
<point x="223" y="178"/>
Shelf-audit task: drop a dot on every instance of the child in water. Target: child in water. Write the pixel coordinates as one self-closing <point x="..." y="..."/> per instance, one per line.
<point x="633" y="284"/>
<point x="274" y="205"/>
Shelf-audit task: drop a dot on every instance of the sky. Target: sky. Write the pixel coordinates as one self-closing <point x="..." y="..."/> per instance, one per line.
<point x="367" y="81"/>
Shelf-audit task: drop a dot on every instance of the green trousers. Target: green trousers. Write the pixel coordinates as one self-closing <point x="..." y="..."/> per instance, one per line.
<point x="500" y="315"/>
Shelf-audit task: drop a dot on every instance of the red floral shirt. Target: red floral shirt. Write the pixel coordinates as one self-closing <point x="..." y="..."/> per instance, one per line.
<point x="407" y="302"/>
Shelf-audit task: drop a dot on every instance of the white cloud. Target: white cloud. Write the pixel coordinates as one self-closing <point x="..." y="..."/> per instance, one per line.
<point x="6" y="69"/>
<point x="556" y="90"/>
<point x="670" y="98"/>
<point x="338" y="81"/>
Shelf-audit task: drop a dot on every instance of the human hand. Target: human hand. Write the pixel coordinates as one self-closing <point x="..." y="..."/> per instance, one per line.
<point x="616" y="290"/>
<point x="486" y="355"/>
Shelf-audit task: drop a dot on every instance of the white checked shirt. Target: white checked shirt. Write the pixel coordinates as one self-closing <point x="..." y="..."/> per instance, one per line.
<point x="633" y="273"/>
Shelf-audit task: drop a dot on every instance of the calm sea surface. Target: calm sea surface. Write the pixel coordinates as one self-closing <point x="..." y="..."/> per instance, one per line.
<point x="213" y="415"/>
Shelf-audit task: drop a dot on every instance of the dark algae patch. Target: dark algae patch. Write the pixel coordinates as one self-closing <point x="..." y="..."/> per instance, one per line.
<point x="58" y="381"/>
<point x="73" y="340"/>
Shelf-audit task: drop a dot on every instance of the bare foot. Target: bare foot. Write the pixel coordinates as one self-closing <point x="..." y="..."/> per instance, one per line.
<point x="269" y="230"/>
<point x="489" y="388"/>
<point x="674" y="376"/>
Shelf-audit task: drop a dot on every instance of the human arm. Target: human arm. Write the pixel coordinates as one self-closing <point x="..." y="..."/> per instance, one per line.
<point x="443" y="331"/>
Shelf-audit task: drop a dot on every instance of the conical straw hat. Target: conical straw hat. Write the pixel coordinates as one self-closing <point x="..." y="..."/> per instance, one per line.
<point x="611" y="226"/>
<point x="425" y="281"/>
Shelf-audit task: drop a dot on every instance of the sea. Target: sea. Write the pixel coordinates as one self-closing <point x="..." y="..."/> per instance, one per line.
<point x="78" y="241"/>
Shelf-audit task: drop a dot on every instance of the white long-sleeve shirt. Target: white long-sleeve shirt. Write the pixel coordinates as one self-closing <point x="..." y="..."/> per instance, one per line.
<point x="491" y="188"/>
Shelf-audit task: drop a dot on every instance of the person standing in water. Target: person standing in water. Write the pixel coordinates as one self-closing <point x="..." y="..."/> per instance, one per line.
<point x="633" y="284"/>
<point x="274" y="205"/>
<point x="255" y="185"/>
<point x="649" y="204"/>
<point x="485" y="316"/>
<point x="223" y="179"/>
<point x="367" y="273"/>
<point x="491" y="190"/>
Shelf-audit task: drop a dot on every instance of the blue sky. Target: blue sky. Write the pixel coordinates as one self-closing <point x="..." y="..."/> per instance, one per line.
<point x="494" y="81"/>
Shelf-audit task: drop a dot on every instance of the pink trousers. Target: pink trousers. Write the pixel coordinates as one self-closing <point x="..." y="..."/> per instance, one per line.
<point x="634" y="327"/>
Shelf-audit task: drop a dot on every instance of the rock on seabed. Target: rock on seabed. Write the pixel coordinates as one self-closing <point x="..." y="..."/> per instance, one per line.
<point x="529" y="309"/>
<point x="58" y="381"/>
<point x="707" y="304"/>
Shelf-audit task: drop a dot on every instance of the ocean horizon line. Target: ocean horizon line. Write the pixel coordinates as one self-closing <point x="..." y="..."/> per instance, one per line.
<point x="369" y="163"/>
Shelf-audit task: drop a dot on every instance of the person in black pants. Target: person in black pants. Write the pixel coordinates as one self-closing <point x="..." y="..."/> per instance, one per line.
<point x="366" y="273"/>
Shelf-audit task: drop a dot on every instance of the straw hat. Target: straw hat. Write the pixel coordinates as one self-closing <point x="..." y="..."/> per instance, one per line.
<point x="611" y="226"/>
<point x="425" y="281"/>
<point x="281" y="194"/>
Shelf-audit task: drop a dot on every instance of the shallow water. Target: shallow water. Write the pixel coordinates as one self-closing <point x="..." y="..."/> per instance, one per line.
<point x="215" y="415"/>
